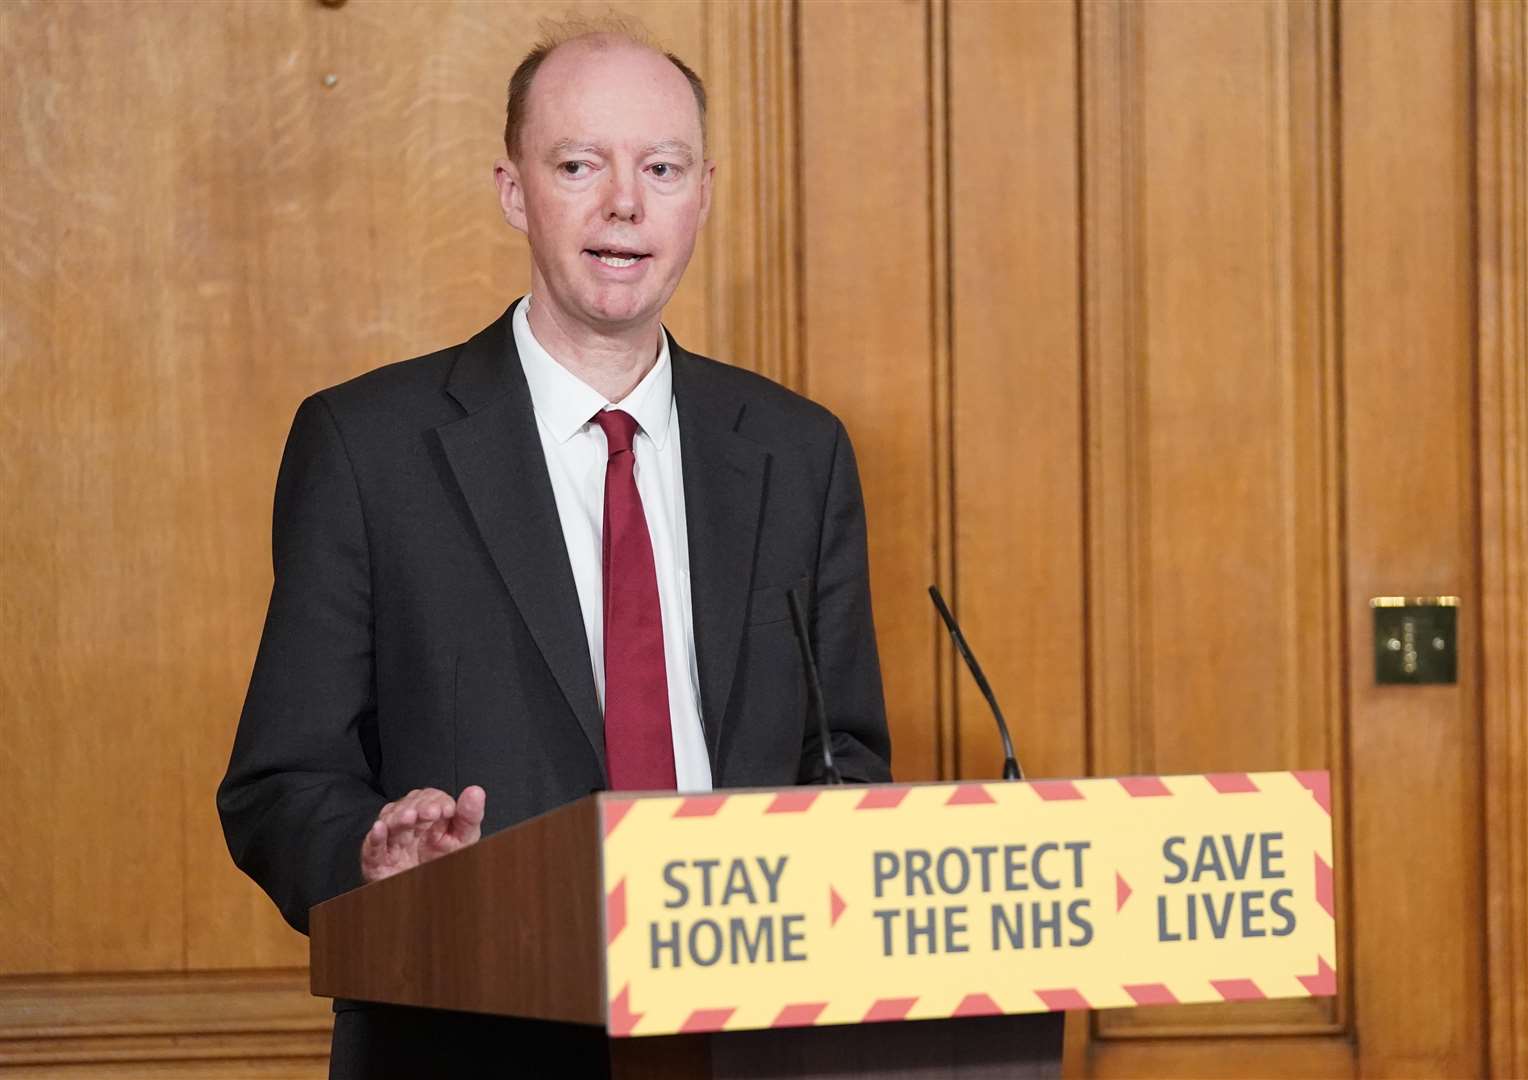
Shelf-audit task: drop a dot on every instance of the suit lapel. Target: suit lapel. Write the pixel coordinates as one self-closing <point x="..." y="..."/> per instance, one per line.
<point x="723" y="496"/>
<point x="496" y="455"/>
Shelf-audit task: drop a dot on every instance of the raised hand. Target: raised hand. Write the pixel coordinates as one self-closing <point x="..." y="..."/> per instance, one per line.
<point x="423" y="825"/>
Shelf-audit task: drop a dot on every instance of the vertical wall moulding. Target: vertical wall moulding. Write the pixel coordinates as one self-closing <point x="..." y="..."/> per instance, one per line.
<point x="1416" y="782"/>
<point x="1326" y="338"/>
<point x="1501" y="141"/>
<point x="864" y="316"/>
<point x="1146" y="385"/>
<point x="1015" y="397"/>
<point x="947" y="721"/>
<point x="1110" y="284"/>
<point x="754" y="272"/>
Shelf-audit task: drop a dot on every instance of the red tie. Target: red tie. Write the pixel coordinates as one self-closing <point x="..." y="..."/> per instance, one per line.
<point x="639" y="748"/>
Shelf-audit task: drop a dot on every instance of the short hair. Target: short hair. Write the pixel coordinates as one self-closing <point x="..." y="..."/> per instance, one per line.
<point x="558" y="32"/>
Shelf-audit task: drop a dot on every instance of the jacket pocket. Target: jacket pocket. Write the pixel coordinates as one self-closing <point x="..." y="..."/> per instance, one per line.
<point x="768" y="605"/>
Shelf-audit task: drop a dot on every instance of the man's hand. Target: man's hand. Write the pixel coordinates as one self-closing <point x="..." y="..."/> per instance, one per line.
<point x="421" y="826"/>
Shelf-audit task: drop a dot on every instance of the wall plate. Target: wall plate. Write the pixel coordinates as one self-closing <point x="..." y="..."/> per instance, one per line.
<point x="1415" y="639"/>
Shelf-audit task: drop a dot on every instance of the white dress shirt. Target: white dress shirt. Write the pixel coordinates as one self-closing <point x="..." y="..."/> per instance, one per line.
<point x="576" y="455"/>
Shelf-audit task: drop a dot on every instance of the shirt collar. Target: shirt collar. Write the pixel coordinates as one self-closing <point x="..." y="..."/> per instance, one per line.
<point x="564" y="403"/>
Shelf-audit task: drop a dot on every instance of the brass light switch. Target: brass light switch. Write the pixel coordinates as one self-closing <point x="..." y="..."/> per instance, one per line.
<point x="1414" y="639"/>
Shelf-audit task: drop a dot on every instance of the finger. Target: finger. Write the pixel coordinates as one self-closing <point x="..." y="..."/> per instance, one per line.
<point x="409" y="819"/>
<point x="376" y="838"/>
<point x="434" y="840"/>
<point x="403" y="847"/>
<point x="392" y="813"/>
<point x="467" y="826"/>
<point x="471" y="805"/>
<point x="435" y="805"/>
<point x="374" y="851"/>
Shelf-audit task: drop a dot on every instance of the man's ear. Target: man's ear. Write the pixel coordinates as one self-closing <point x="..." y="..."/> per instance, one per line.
<point x="707" y="179"/>
<point x="506" y="177"/>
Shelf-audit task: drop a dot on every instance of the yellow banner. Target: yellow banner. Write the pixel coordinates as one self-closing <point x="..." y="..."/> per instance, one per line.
<point x="845" y="905"/>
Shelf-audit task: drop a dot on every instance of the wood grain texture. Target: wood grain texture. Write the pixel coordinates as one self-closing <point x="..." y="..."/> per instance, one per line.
<point x="1016" y="404"/>
<point x="1408" y="277"/>
<point x="1219" y="1058"/>
<point x="1257" y="363"/>
<point x="1501" y="156"/>
<point x="198" y="232"/>
<point x="943" y="426"/>
<point x="273" y="1067"/>
<point x="449" y="942"/>
<point x="132" y="1020"/>
<point x="1213" y="539"/>
<point x="752" y="288"/>
<point x="867" y="327"/>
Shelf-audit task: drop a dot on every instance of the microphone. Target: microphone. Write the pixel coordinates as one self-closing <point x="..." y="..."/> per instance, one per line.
<point x="814" y="687"/>
<point x="1011" y="770"/>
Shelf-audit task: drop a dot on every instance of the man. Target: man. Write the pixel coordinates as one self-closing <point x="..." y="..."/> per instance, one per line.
<point x="551" y="560"/>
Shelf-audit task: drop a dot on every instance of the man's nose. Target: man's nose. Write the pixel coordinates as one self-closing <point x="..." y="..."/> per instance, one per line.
<point x="623" y="196"/>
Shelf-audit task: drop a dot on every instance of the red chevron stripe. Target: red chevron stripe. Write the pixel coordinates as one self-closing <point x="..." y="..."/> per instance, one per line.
<point x="1062" y="1000"/>
<point x="1056" y="790"/>
<point x="1144" y="787"/>
<point x="1238" y="989"/>
<point x="1231" y="783"/>
<point x="706" y="1020"/>
<point x="615" y="912"/>
<point x="1323" y="983"/>
<point x="622" y="1019"/>
<point x="977" y="1005"/>
<point x="1324" y="886"/>
<point x="614" y="811"/>
<point x="968" y="795"/>
<point x="802" y="1015"/>
<point x="889" y="1009"/>
<point x="883" y="798"/>
<point x="700" y="806"/>
<point x="1151" y="994"/>
<point x="1122" y="891"/>
<point x="1320" y="784"/>
<point x="794" y="801"/>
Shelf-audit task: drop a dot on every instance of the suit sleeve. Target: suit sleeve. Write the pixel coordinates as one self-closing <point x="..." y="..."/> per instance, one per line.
<point x="299" y="793"/>
<point x="843" y="635"/>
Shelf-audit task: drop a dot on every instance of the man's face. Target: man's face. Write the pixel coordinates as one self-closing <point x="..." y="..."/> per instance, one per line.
<point x="610" y="187"/>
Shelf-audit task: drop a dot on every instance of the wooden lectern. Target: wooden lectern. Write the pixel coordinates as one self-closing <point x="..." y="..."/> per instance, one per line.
<point x="865" y="930"/>
<point x="516" y="925"/>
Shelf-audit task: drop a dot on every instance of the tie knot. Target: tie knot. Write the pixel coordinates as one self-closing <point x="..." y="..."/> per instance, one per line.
<point x="619" y="427"/>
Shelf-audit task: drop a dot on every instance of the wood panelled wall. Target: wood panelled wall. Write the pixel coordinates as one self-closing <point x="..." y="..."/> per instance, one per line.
<point x="1168" y="333"/>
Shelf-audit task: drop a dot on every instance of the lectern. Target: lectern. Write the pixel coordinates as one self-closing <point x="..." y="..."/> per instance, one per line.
<point x="916" y="930"/>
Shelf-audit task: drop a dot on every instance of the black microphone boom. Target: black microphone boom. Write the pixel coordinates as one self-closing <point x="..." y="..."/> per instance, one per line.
<point x="1011" y="770"/>
<point x="814" y="687"/>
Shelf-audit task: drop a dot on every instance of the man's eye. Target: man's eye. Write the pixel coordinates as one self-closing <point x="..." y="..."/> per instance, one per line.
<point x="573" y="168"/>
<point x="664" y="171"/>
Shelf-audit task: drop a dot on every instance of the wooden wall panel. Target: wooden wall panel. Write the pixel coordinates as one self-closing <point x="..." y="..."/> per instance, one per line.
<point x="867" y="320"/>
<point x="1501" y="154"/>
<point x="1156" y="366"/>
<point x="197" y="232"/>
<point x="1221" y="387"/>
<point x="1408" y="279"/>
<point x="1016" y="402"/>
<point x="203" y="1024"/>
<point x="203" y="233"/>
<point x="1211" y="407"/>
<point x="753" y="286"/>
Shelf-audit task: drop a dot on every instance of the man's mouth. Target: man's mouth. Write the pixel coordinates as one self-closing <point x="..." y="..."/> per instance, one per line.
<point x="617" y="257"/>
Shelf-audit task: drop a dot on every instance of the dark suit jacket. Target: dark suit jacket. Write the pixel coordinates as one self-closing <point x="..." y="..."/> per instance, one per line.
<point x="424" y="628"/>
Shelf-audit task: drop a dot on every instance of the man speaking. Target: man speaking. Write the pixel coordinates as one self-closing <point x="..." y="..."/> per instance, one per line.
<point x="551" y="560"/>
